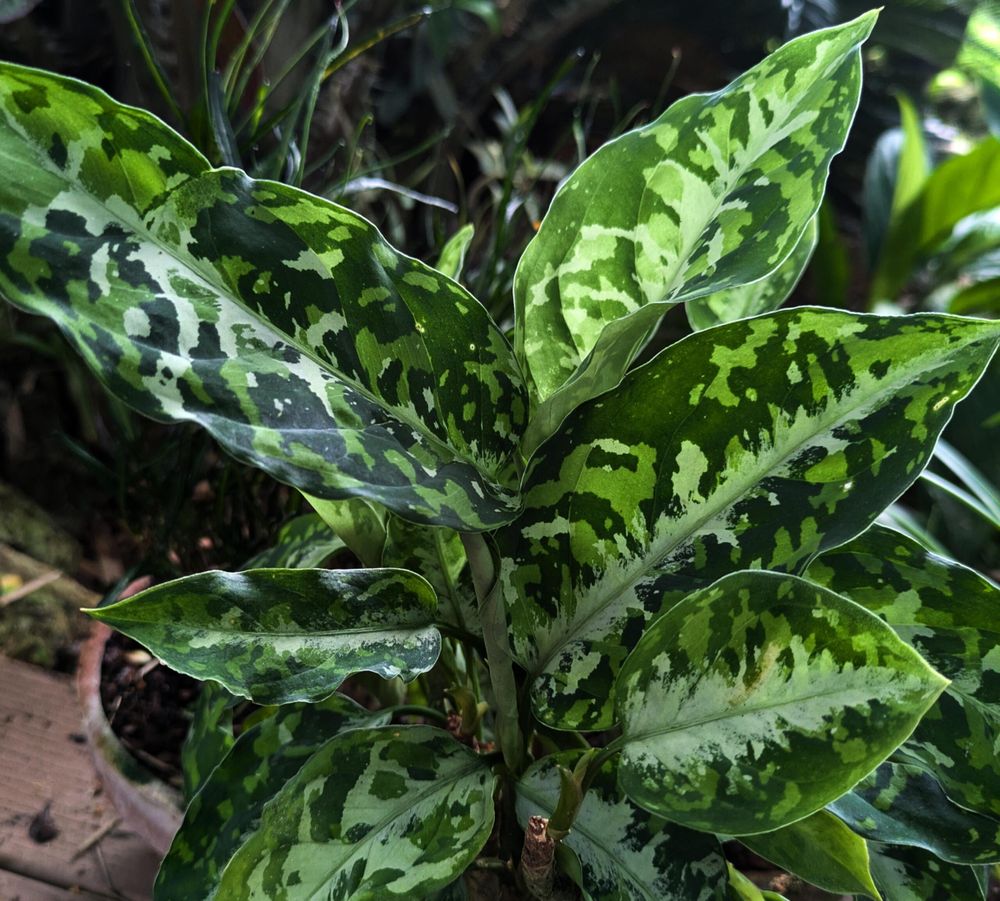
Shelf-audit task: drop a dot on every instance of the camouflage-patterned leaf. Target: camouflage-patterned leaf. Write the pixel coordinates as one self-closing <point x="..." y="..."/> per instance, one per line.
<point x="911" y="874"/>
<point x="759" y="700"/>
<point x="712" y="195"/>
<point x="452" y="257"/>
<point x="950" y="615"/>
<point x="439" y="556"/>
<point x="209" y="738"/>
<point x="905" y="805"/>
<point x="360" y="524"/>
<point x="396" y="812"/>
<point x="820" y="849"/>
<point x="758" y="297"/>
<point x="625" y="853"/>
<point x="229" y="805"/>
<point x="282" y="323"/>
<point x="755" y="444"/>
<point x="285" y="635"/>
<point x="302" y="543"/>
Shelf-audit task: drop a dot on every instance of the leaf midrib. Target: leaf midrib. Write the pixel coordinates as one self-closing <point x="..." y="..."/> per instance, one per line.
<point x="651" y="562"/>
<point x="224" y="292"/>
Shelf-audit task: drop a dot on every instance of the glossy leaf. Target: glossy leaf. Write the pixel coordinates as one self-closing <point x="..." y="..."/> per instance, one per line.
<point x="905" y="805"/>
<point x="911" y="874"/>
<point x="949" y="614"/>
<point x="759" y="700"/>
<point x="755" y="444"/>
<point x="302" y="543"/>
<point x="819" y="849"/>
<point x="226" y="810"/>
<point x="209" y="738"/>
<point x="714" y="194"/>
<point x="759" y="297"/>
<point x="623" y="852"/>
<point x="452" y="257"/>
<point x="358" y="523"/>
<point x="282" y="323"/>
<point x="284" y="635"/>
<point x="396" y="812"/>
<point x="959" y="187"/>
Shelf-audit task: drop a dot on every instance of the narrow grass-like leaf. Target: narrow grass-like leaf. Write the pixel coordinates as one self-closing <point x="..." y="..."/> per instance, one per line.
<point x="226" y="810"/>
<point x="761" y="296"/>
<point x="714" y="194"/>
<point x="759" y="700"/>
<point x="755" y="444"/>
<point x="624" y="852"/>
<point x="949" y="614"/>
<point x="396" y="812"/>
<point x="911" y="874"/>
<point x="821" y="850"/>
<point x="284" y="635"/>
<point x="905" y="805"/>
<point x="282" y="323"/>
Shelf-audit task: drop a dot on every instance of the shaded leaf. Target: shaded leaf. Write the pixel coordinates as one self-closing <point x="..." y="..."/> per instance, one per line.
<point x="905" y="805"/>
<point x="773" y="439"/>
<point x="228" y="807"/>
<point x="819" y="849"/>
<point x="623" y="852"/>
<point x="911" y="874"/>
<point x="759" y="700"/>
<point x="396" y="812"/>
<point x="209" y="738"/>
<point x="759" y="297"/>
<point x="282" y="323"/>
<point x="284" y="635"/>
<point x="714" y="194"/>
<point x="358" y="523"/>
<point x="302" y="543"/>
<point x="949" y="614"/>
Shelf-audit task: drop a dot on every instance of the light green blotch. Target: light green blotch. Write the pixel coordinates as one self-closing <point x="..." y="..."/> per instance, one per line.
<point x="692" y="464"/>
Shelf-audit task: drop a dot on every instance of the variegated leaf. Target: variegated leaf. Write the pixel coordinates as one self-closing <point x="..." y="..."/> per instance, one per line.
<point x="821" y="850"/>
<point x="282" y="323"/>
<point x="951" y="615"/>
<point x="226" y="810"/>
<point x="762" y="296"/>
<point x="302" y="543"/>
<point x="911" y="874"/>
<point x="624" y="852"/>
<point x="756" y="444"/>
<point x="759" y="700"/>
<point x="438" y="555"/>
<point x="284" y="635"/>
<point x="396" y="812"/>
<point x="360" y="524"/>
<point x="209" y="738"/>
<point x="905" y="805"/>
<point x="713" y="195"/>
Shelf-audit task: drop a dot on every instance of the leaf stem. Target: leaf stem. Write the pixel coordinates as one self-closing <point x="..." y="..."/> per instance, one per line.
<point x="498" y="656"/>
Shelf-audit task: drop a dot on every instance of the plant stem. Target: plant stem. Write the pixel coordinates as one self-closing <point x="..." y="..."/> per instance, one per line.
<point x="498" y="656"/>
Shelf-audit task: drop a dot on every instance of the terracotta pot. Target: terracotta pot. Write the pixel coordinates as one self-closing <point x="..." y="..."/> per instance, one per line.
<point x="146" y="804"/>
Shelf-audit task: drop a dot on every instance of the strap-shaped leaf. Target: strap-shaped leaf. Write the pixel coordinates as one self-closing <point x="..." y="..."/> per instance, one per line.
<point x="905" y="805"/>
<point x="396" y="812"/>
<point x="712" y="195"/>
<point x="756" y="444"/>
<point x="821" y="850"/>
<point x="624" y="852"/>
<point x="285" y="635"/>
<point x="282" y="323"/>
<point x="225" y="812"/>
<point x="760" y="699"/>
<point x="761" y="296"/>
<point x="911" y="874"/>
<point x="949" y="613"/>
<point x="302" y="543"/>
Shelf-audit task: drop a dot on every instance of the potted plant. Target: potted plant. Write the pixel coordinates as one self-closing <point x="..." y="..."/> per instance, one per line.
<point x="654" y="593"/>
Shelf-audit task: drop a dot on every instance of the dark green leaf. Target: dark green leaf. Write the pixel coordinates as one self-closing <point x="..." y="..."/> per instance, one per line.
<point x="209" y="738"/>
<point x="284" y="635"/>
<point x="911" y="874"/>
<point x="302" y="543"/>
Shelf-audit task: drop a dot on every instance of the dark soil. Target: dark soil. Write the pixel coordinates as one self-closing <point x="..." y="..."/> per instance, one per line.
<point x="148" y="706"/>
